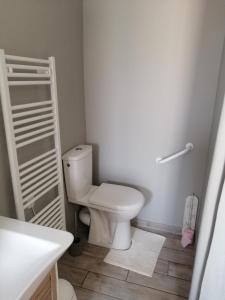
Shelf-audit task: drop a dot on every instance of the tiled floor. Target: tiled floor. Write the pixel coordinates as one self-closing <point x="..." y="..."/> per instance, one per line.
<point x="95" y="280"/>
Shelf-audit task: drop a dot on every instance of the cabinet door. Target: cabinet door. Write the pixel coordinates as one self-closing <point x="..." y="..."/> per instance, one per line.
<point x="47" y="289"/>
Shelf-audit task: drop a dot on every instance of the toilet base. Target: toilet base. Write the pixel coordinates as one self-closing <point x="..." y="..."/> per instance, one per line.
<point x="108" y="232"/>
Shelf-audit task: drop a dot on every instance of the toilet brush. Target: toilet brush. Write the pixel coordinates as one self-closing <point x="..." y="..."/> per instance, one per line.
<point x="75" y="248"/>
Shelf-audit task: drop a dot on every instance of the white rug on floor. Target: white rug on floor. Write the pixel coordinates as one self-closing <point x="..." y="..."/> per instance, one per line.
<point x="142" y="255"/>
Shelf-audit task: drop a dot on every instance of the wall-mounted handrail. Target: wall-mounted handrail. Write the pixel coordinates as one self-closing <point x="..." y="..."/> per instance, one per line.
<point x="188" y="148"/>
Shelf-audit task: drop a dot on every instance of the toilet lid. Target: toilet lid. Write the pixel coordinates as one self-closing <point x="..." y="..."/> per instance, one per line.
<point x="117" y="197"/>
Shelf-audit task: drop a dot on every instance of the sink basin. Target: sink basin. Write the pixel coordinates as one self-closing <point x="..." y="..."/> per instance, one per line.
<point x="27" y="253"/>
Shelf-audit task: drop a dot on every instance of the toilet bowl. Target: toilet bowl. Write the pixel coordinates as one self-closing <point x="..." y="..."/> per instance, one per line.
<point x="65" y="290"/>
<point x="84" y="216"/>
<point x="111" y="206"/>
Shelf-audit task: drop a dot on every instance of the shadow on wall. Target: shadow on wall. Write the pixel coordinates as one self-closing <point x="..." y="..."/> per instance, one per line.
<point x="198" y="119"/>
<point x="215" y="125"/>
<point x="204" y="92"/>
<point x="7" y="205"/>
<point x="95" y="163"/>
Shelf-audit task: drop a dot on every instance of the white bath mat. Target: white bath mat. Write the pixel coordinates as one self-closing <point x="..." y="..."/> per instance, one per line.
<point x="142" y="255"/>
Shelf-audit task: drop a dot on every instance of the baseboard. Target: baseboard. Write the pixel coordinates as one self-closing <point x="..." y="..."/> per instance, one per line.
<point x="156" y="227"/>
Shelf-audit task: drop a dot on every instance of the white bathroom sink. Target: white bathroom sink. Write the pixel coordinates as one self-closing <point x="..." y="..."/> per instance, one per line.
<point x="27" y="253"/>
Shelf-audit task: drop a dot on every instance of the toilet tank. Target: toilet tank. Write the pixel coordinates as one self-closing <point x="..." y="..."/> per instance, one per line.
<point x="77" y="164"/>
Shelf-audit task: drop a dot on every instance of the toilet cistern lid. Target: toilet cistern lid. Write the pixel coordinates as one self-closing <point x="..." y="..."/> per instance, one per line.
<point x="117" y="197"/>
<point x="77" y="153"/>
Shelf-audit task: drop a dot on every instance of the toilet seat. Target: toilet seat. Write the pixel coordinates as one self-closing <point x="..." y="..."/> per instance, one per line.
<point x="116" y="198"/>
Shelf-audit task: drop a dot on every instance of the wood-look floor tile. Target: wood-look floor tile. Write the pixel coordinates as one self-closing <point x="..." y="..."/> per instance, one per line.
<point x="176" y="245"/>
<point x="95" y="251"/>
<point x="96" y="265"/>
<point x="179" y="257"/>
<point x="162" y="266"/>
<point x="83" y="294"/>
<point x="161" y="282"/>
<point x="73" y="274"/>
<point x="160" y="232"/>
<point x="124" y="290"/>
<point x="180" y="271"/>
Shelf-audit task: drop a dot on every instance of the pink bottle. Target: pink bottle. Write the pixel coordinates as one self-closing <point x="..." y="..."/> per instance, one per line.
<point x="187" y="237"/>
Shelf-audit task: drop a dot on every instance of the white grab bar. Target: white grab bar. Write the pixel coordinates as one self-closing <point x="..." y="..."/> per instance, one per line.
<point x="188" y="148"/>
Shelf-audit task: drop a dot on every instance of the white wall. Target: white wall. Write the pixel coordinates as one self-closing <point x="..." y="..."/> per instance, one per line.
<point x="212" y="196"/>
<point x="211" y="215"/>
<point x="41" y="29"/>
<point x="151" y="70"/>
<point x="218" y="108"/>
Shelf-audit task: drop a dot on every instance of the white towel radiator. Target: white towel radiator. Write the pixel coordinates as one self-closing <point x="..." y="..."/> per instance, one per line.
<point x="37" y="182"/>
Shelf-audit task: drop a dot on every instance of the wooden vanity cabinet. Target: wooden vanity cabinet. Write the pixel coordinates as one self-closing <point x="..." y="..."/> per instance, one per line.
<point x="47" y="290"/>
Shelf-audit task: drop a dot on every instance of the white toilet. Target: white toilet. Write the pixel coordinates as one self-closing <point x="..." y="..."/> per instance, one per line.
<point x="111" y="206"/>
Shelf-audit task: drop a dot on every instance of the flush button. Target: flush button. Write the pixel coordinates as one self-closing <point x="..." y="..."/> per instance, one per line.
<point x="68" y="165"/>
<point x="79" y="149"/>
